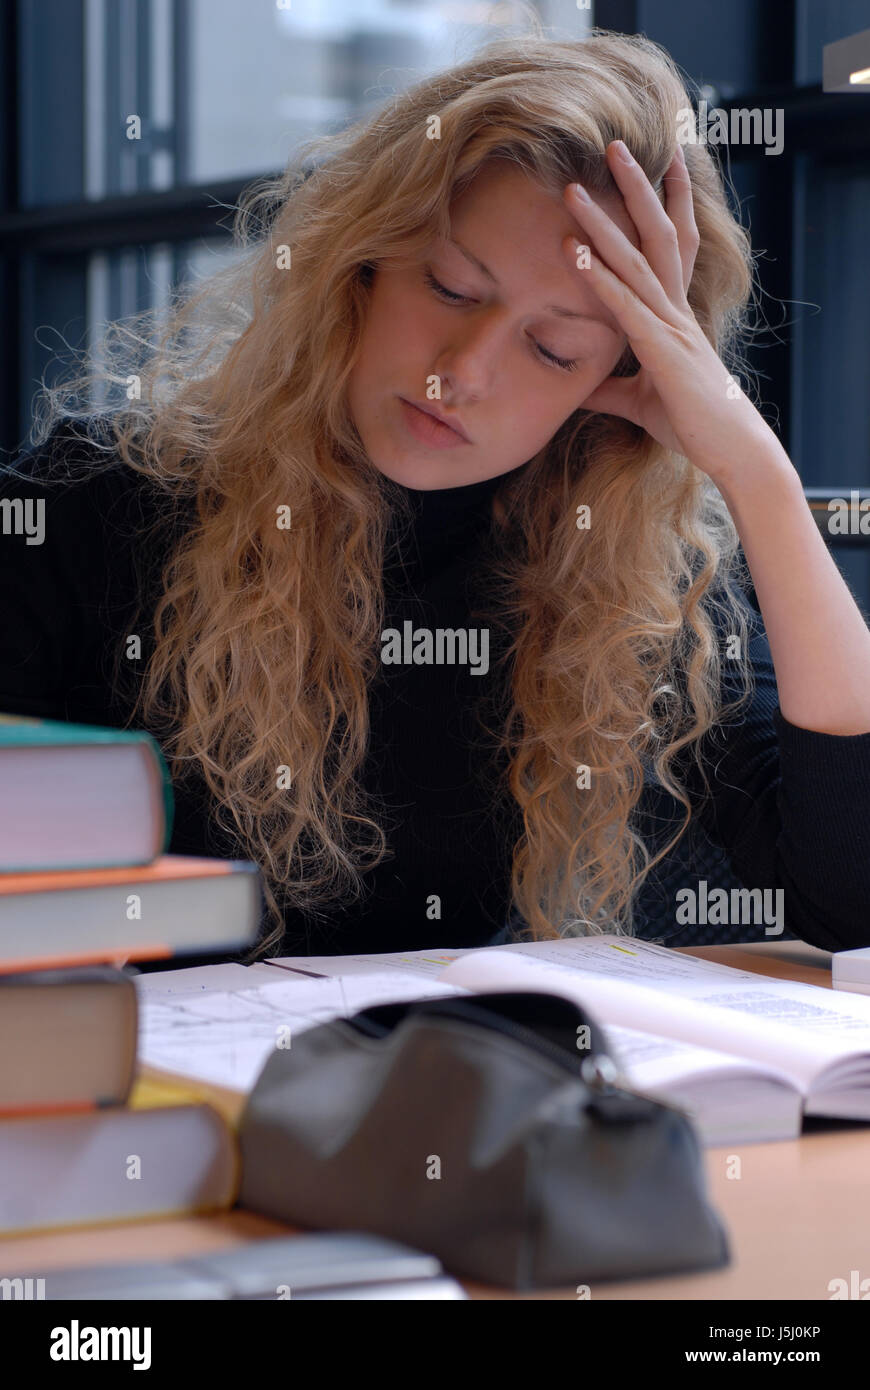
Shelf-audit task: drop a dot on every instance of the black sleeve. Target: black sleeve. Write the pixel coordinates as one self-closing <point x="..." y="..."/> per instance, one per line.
<point x="791" y="808"/>
<point x="66" y="580"/>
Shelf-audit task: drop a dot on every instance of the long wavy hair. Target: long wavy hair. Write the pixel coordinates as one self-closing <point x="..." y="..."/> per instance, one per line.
<point x="265" y="638"/>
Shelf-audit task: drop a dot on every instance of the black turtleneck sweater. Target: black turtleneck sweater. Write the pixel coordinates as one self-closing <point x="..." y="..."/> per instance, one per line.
<point x="790" y="810"/>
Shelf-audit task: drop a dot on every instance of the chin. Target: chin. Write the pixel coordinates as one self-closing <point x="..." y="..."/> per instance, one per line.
<point x="421" y="476"/>
<point x="420" y="480"/>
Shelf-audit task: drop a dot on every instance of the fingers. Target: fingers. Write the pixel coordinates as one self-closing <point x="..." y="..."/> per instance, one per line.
<point x="627" y="263"/>
<point x="639" y="321"/>
<point x="668" y="235"/>
<point x="680" y="209"/>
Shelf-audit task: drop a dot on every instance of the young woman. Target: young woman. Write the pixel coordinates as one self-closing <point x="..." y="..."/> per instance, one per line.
<point x="429" y="514"/>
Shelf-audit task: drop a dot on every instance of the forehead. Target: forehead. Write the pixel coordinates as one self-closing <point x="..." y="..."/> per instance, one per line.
<point x="516" y="228"/>
<point x="502" y="192"/>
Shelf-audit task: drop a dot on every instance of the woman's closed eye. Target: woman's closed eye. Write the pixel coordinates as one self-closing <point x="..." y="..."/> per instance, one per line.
<point x="566" y="364"/>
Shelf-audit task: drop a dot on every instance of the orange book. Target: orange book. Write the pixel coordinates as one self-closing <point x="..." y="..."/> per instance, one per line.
<point x="178" y="904"/>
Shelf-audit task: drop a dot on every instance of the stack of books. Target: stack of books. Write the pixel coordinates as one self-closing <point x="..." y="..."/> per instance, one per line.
<point x="85" y="886"/>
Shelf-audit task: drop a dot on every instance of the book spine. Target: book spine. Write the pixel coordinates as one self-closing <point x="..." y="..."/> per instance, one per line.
<point x="166" y="788"/>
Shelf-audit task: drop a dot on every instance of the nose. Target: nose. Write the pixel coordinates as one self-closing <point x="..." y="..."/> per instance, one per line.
<point x="472" y="357"/>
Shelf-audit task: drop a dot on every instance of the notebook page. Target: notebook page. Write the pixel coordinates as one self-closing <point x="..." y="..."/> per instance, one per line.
<point x="226" y="1036"/>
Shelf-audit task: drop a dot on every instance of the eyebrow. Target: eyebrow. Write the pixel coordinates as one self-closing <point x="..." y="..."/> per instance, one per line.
<point x="550" y="308"/>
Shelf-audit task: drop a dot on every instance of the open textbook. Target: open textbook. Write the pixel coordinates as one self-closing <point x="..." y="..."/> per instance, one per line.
<point x="746" y="1055"/>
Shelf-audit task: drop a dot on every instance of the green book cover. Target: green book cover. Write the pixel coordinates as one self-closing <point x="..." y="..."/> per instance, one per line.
<point x="28" y="731"/>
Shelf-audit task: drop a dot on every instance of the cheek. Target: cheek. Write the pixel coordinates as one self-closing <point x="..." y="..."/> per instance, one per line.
<point x="542" y="401"/>
<point x="399" y="292"/>
<point x="384" y="303"/>
<point x="533" y="409"/>
<point x="377" y="317"/>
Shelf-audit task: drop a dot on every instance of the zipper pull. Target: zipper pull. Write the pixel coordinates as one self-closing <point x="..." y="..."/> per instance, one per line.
<point x="599" y="1071"/>
<point x="614" y="1102"/>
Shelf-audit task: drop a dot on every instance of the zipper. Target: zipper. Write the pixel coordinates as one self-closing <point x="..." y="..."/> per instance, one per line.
<point x="598" y="1070"/>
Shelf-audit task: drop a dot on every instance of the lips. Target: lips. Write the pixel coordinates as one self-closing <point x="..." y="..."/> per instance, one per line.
<point x="442" y="419"/>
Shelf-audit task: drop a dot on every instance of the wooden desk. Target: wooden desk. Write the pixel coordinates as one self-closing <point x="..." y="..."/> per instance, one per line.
<point x="797" y="1218"/>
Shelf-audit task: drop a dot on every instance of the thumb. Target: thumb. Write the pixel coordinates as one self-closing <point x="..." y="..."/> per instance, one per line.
<point x="615" y="396"/>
